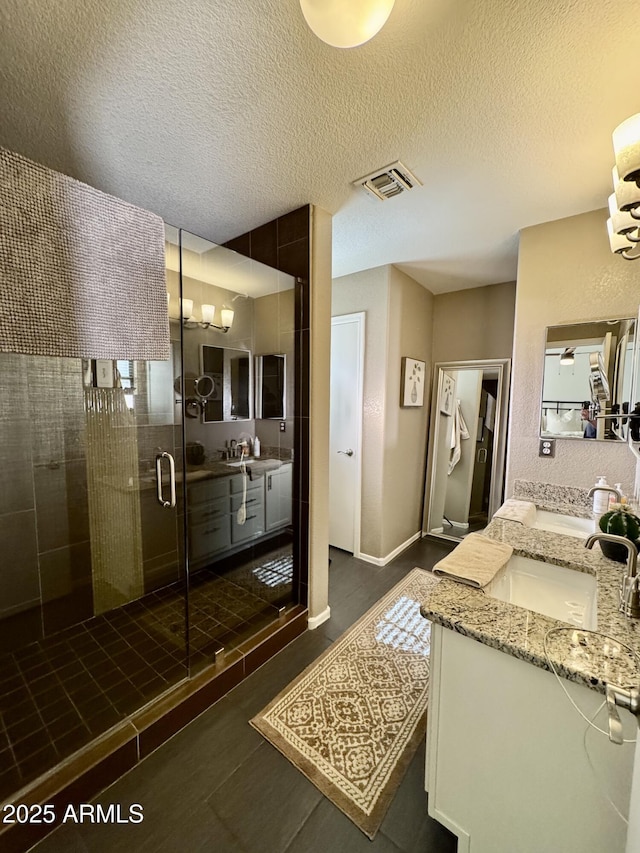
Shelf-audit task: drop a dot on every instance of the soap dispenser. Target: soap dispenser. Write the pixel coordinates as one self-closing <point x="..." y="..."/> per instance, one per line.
<point x="256" y="447"/>
<point x="600" y="498"/>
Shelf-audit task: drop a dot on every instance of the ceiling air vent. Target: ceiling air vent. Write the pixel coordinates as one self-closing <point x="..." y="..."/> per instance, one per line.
<point x="389" y="181"/>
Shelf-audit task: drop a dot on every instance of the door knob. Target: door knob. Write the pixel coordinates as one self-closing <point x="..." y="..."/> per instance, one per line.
<point x="346" y="452"/>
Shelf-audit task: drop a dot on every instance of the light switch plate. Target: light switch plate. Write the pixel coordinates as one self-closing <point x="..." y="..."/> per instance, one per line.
<point x="283" y="426"/>
<point x="547" y="447"/>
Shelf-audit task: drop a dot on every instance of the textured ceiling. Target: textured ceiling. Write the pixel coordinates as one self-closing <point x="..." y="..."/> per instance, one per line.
<point x="221" y="115"/>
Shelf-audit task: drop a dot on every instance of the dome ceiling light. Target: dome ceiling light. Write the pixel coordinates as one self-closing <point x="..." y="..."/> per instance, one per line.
<point x="346" y="23"/>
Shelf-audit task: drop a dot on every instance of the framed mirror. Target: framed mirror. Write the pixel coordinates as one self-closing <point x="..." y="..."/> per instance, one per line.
<point x="634" y="403"/>
<point x="466" y="457"/>
<point x="586" y="389"/>
<point x="229" y="390"/>
<point x="271" y="386"/>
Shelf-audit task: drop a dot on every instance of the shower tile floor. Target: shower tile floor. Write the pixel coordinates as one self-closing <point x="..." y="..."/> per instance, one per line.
<point x="58" y="694"/>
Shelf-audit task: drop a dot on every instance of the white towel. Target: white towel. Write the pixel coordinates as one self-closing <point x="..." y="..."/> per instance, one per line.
<point x="458" y="433"/>
<point x="524" y="512"/>
<point x="475" y="561"/>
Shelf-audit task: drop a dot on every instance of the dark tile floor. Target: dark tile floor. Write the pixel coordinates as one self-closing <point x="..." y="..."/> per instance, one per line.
<point x="219" y="786"/>
<point x="58" y="694"/>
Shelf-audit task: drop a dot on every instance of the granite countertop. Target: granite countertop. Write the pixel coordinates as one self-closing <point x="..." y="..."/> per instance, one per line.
<point x="589" y="658"/>
<point x="196" y="473"/>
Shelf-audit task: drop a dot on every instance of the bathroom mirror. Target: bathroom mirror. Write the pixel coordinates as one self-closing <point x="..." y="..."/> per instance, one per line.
<point x="270" y="386"/>
<point x="231" y="376"/>
<point x="634" y="403"/>
<point x="586" y="390"/>
<point x="467" y="446"/>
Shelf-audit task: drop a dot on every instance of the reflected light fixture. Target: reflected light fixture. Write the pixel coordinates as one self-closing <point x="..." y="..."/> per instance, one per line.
<point x="623" y="224"/>
<point x="208" y="313"/>
<point x="346" y="23"/>
<point x="568" y="356"/>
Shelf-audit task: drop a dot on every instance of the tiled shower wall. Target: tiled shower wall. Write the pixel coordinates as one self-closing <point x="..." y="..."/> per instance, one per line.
<point x="44" y="527"/>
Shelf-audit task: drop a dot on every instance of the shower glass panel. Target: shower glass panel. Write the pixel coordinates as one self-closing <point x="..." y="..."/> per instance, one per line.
<point x="239" y="505"/>
<point x="92" y="587"/>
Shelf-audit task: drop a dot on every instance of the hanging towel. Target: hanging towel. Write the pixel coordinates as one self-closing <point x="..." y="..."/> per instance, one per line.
<point x="475" y="561"/>
<point x="523" y="512"/>
<point x="458" y="433"/>
<point x="82" y="274"/>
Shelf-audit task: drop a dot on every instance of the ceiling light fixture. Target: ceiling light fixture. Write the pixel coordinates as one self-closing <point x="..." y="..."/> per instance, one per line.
<point x="568" y="356"/>
<point x="623" y="224"/>
<point x="346" y="23"/>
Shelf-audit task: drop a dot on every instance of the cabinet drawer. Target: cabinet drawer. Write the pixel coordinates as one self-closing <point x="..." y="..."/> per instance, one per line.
<point x="209" y="538"/>
<point x="256" y="483"/>
<point x="253" y="526"/>
<point x="204" y="513"/>
<point x="255" y="500"/>
<point x="207" y="490"/>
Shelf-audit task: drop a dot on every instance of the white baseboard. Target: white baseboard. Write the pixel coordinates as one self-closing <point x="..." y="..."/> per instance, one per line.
<point x="315" y="621"/>
<point x="463" y="524"/>
<point x="382" y="561"/>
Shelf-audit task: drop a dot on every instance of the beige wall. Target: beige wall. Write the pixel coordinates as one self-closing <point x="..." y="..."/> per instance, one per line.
<point x="368" y="291"/>
<point x="474" y="323"/>
<point x="320" y="355"/>
<point x="405" y="434"/>
<point x="398" y="323"/>
<point x="566" y="274"/>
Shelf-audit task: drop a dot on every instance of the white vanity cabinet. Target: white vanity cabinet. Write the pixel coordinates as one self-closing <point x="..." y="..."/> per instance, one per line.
<point x="509" y="767"/>
<point x="277" y="494"/>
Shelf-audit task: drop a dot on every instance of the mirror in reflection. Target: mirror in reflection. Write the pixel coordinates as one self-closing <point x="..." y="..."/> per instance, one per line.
<point x="270" y="386"/>
<point x="588" y="370"/>
<point x="229" y="385"/>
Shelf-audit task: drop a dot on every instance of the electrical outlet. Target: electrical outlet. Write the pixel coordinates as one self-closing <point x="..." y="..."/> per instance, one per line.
<point x="283" y="426"/>
<point x="547" y="447"/>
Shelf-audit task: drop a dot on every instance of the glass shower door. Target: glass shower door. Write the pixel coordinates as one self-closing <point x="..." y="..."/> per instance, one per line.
<point x="92" y="588"/>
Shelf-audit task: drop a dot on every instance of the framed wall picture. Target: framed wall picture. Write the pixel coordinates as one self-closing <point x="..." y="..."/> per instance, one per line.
<point x="412" y="382"/>
<point x="446" y="394"/>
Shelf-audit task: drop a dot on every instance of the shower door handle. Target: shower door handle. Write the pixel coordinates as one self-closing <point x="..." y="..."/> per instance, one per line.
<point x="172" y="480"/>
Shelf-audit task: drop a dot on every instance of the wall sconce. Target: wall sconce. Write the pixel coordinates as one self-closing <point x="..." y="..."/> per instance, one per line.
<point x="568" y="356"/>
<point x="208" y="313"/>
<point x="623" y="225"/>
<point x="346" y="23"/>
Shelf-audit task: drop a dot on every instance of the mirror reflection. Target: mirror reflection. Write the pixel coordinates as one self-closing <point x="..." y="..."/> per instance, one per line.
<point x="466" y="446"/>
<point x="270" y="386"/>
<point x="588" y="370"/>
<point x="225" y="383"/>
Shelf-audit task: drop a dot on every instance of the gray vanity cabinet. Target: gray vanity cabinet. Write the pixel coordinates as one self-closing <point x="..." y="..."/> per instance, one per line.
<point x="209" y="526"/>
<point x="214" y="528"/>
<point x="254" y="521"/>
<point x="278" y="497"/>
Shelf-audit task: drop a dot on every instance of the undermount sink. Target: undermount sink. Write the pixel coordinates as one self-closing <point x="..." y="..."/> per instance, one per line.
<point x="238" y="463"/>
<point x="554" y="591"/>
<point x="568" y="525"/>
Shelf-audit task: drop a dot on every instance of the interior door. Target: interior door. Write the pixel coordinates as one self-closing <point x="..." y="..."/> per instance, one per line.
<point x="347" y="336"/>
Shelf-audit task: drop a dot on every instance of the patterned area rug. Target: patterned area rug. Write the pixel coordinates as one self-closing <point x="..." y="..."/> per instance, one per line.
<point x="351" y="722"/>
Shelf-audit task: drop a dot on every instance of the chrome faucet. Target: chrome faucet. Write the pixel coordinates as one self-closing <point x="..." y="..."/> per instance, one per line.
<point x="629" y="591"/>
<point x="595" y="489"/>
